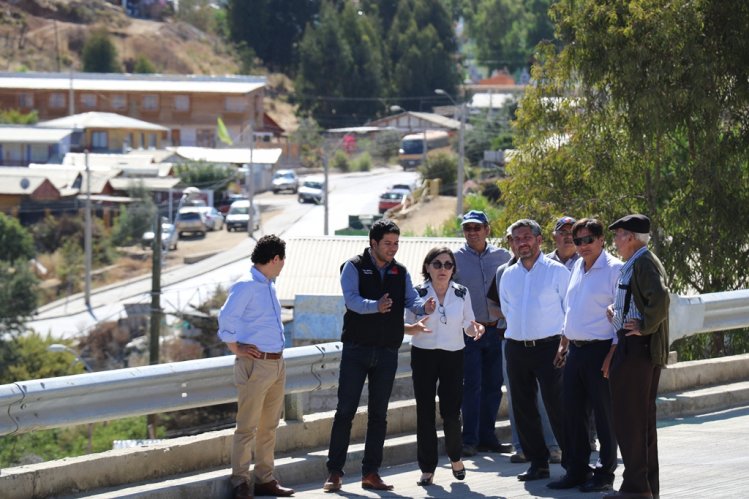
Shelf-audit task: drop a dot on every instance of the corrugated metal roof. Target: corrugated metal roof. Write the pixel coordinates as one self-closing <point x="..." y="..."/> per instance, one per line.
<point x="103" y="120"/>
<point x="173" y="84"/>
<point x="313" y="263"/>
<point x="233" y="156"/>
<point x="16" y="134"/>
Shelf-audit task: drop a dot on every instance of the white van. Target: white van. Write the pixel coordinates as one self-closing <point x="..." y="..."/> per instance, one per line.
<point x="239" y="215"/>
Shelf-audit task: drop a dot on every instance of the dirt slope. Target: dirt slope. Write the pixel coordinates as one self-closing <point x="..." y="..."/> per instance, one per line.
<point x="48" y="35"/>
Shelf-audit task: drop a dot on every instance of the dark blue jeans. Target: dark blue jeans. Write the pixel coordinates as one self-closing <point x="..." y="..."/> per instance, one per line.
<point x="482" y="388"/>
<point x="359" y="363"/>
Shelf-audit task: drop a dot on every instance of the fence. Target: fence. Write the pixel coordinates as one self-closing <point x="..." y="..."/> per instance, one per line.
<point x="88" y="398"/>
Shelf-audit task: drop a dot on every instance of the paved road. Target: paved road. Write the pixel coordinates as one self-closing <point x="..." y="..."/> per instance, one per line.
<point x="192" y="284"/>
<point x="701" y="456"/>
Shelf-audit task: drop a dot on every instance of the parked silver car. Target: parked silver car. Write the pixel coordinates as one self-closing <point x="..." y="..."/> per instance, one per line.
<point x="169" y="237"/>
<point x="190" y="221"/>
<point x="285" y="180"/>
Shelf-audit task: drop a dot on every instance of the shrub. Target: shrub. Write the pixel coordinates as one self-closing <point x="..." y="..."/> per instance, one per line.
<point x="340" y="161"/>
<point x="444" y="166"/>
<point x="363" y="163"/>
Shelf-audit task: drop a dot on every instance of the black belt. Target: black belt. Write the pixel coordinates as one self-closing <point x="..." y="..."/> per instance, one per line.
<point x="533" y="343"/>
<point x="488" y="324"/>
<point x="582" y="343"/>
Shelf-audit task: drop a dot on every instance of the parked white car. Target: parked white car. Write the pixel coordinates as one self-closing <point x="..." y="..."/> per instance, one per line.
<point x="238" y="216"/>
<point x="169" y="237"/>
<point x="311" y="191"/>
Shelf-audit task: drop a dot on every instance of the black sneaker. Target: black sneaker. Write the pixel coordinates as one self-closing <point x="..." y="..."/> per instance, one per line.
<point x="498" y="448"/>
<point x="468" y="451"/>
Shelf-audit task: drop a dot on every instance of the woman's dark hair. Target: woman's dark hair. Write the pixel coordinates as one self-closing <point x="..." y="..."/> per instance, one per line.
<point x="267" y="248"/>
<point x="434" y="253"/>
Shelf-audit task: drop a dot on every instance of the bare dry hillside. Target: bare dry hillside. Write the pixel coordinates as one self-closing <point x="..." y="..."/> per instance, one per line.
<point x="48" y="35"/>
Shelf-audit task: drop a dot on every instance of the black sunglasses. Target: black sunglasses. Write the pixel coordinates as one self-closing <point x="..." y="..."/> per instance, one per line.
<point x="438" y="265"/>
<point x="579" y="241"/>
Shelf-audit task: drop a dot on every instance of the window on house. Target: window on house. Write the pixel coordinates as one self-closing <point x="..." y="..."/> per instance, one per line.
<point x="56" y="100"/>
<point x="150" y="102"/>
<point x="205" y="137"/>
<point x="181" y="103"/>
<point x="119" y="101"/>
<point x="26" y="100"/>
<point x="235" y="104"/>
<point x="88" y="100"/>
<point x="99" y="140"/>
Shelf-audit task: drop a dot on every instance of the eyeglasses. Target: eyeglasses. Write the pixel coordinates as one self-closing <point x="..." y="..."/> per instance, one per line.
<point x="472" y="227"/>
<point x="579" y="241"/>
<point x="443" y="317"/>
<point x="438" y="265"/>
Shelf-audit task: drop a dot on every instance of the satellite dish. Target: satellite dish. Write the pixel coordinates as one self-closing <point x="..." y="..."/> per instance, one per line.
<point x="25" y="183"/>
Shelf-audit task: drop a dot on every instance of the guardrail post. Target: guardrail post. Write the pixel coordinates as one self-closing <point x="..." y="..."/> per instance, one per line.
<point x="293" y="407"/>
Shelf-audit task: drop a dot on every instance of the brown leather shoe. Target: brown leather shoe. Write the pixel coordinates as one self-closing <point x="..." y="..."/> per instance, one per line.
<point x="243" y="491"/>
<point x="272" y="488"/>
<point x="374" y="482"/>
<point x="333" y="483"/>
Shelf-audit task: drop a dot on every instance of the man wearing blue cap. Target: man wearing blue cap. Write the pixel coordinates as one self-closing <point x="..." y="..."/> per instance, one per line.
<point x="565" y="251"/>
<point x="477" y="263"/>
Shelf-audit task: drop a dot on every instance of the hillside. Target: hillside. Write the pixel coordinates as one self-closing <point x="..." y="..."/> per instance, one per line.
<point x="48" y="35"/>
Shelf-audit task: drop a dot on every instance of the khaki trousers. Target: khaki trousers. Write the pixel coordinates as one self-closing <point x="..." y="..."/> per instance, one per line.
<point x="260" y="391"/>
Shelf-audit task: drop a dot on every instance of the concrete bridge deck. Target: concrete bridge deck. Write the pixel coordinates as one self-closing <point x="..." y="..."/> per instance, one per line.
<point x="700" y="456"/>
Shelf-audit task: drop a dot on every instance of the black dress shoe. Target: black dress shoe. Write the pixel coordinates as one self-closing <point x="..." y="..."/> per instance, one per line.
<point x="460" y="474"/>
<point x="597" y="484"/>
<point x="568" y="482"/>
<point x="534" y="473"/>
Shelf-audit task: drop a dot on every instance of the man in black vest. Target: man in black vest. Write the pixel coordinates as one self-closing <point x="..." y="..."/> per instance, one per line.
<point x="376" y="290"/>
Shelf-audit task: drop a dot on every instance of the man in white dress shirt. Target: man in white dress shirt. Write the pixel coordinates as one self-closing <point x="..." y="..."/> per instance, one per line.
<point x="532" y="296"/>
<point x="588" y="343"/>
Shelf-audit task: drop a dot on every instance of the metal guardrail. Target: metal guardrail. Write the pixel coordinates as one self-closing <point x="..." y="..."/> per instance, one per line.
<point x="102" y="396"/>
<point x="88" y="398"/>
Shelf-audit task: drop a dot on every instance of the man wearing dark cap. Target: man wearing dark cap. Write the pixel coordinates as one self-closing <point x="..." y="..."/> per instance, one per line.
<point x="564" y="251"/>
<point x="477" y="263"/>
<point x="640" y="316"/>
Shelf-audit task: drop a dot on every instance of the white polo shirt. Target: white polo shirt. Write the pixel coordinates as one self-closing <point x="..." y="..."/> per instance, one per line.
<point x="588" y="295"/>
<point x="533" y="300"/>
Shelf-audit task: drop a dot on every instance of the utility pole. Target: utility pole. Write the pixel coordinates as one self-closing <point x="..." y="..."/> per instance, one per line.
<point x="251" y="184"/>
<point x="153" y="350"/>
<point x="87" y="247"/>
<point x="461" y="147"/>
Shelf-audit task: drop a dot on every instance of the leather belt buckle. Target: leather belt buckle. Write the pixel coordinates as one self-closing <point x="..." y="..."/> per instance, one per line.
<point x="270" y="355"/>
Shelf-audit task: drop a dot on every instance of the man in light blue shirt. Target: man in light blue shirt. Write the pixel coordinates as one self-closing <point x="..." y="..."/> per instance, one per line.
<point x="532" y="296"/>
<point x="250" y="325"/>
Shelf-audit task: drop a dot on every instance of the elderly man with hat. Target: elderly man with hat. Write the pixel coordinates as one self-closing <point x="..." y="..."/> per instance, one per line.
<point x="477" y="261"/>
<point x="565" y="251"/>
<point x="640" y="316"/>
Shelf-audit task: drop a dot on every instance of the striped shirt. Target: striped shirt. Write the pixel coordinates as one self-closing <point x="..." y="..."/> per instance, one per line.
<point x="621" y="293"/>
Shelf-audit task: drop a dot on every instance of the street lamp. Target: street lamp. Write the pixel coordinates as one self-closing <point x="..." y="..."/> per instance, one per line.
<point x="60" y="348"/>
<point x="461" y="149"/>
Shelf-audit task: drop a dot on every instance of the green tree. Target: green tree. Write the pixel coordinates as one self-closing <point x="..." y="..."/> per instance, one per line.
<point x="272" y="28"/>
<point x="308" y="136"/>
<point x="99" y="54"/>
<point x="422" y="51"/>
<point x="143" y="65"/>
<point x="444" y="166"/>
<point x="490" y="131"/>
<point x="134" y="220"/>
<point x="18" y="295"/>
<point x="15" y="241"/>
<point x="643" y="111"/>
<point x="16" y="117"/>
<point x="204" y="175"/>
<point x="341" y="67"/>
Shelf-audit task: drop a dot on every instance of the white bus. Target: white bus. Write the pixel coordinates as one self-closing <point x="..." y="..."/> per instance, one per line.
<point x="416" y="145"/>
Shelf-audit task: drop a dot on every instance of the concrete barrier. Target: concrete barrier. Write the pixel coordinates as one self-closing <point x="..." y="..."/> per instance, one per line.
<point x="686" y="388"/>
